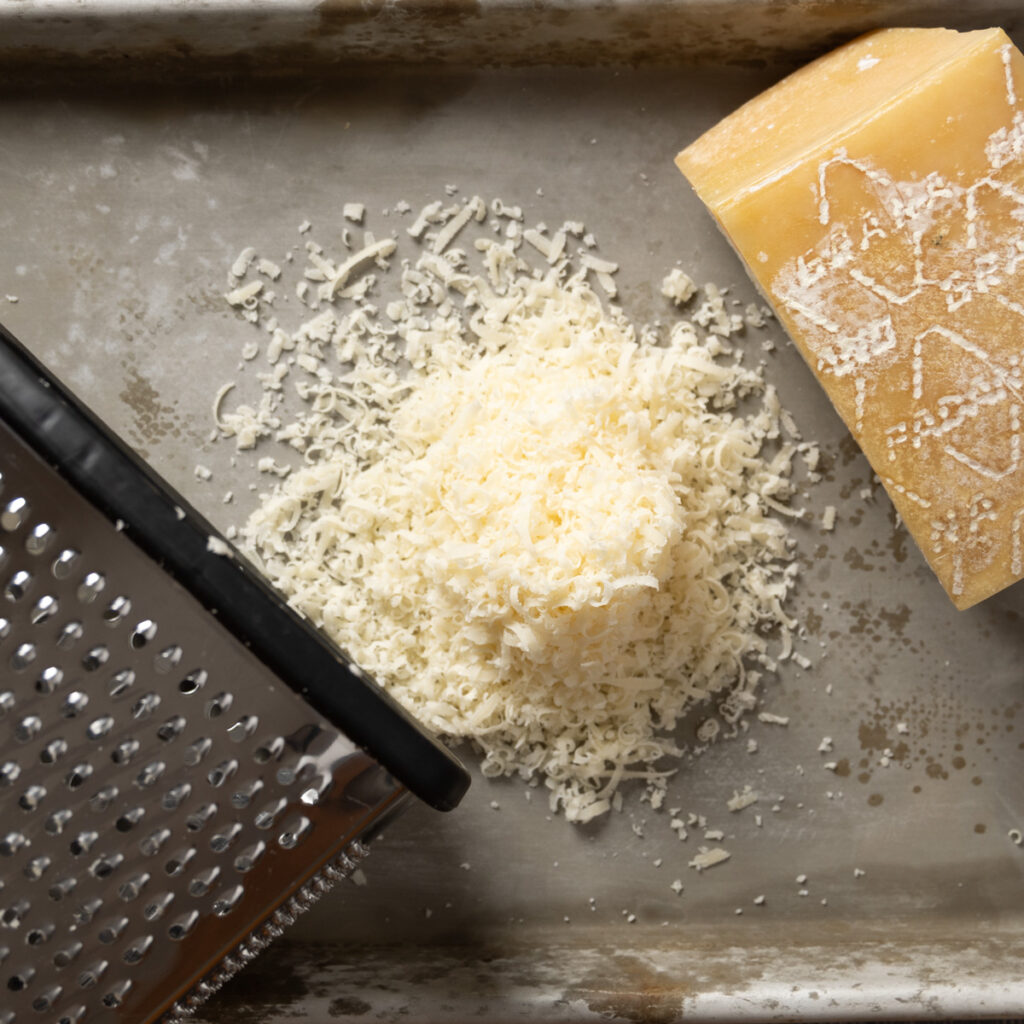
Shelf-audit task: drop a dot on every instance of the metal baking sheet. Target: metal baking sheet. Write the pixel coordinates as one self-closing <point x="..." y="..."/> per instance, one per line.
<point x="123" y="207"/>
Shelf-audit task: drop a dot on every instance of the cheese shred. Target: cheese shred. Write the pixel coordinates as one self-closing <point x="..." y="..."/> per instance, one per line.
<point x="543" y="530"/>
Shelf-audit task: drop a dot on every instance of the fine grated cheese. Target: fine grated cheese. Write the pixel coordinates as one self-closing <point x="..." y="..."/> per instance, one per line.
<point x="542" y="530"/>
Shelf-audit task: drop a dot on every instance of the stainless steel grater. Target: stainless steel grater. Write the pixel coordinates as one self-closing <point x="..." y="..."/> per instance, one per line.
<point x="185" y="764"/>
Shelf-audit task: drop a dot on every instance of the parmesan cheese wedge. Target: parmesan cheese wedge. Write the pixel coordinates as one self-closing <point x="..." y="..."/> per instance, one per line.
<point x="877" y="197"/>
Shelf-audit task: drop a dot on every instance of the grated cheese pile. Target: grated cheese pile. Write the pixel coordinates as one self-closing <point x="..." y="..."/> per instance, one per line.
<point x="542" y="530"/>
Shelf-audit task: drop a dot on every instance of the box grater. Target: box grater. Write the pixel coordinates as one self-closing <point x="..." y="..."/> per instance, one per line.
<point x="185" y="763"/>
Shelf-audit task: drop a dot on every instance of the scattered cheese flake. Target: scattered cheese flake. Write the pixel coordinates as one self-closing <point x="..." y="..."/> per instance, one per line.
<point x="354" y="212"/>
<point x="677" y="886"/>
<point x="772" y="719"/>
<point x="218" y="546"/>
<point x="203" y="473"/>
<point x="828" y="518"/>
<point x="739" y="801"/>
<point x="709" y="857"/>
<point x="678" y="286"/>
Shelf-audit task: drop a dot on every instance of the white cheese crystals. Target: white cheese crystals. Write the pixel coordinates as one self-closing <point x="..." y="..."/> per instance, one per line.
<point x="542" y="532"/>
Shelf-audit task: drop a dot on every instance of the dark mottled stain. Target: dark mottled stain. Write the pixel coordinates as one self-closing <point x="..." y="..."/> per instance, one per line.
<point x="980" y="828"/>
<point x="876" y="800"/>
<point x="896" y="619"/>
<point x="152" y="420"/>
<point x="842" y="768"/>
<point x="976" y="781"/>
<point x="934" y="770"/>
<point x="872" y="736"/>
<point x="348" y="1006"/>
<point x="916" y="789"/>
<point x="258" y="996"/>
<point x="959" y="763"/>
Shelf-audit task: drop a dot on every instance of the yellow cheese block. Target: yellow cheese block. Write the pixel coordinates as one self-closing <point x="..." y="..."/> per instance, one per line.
<point x="877" y="197"/>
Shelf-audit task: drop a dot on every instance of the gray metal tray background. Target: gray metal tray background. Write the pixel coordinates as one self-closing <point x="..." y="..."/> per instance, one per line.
<point x="123" y="204"/>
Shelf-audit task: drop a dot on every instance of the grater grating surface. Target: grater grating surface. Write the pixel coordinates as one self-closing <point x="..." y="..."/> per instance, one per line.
<point x="167" y="802"/>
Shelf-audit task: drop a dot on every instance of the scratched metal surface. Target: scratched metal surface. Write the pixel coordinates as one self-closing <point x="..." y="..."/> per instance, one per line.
<point x="122" y="209"/>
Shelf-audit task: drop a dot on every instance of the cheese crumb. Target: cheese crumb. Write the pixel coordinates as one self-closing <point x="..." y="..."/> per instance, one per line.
<point x="354" y="212"/>
<point x="678" y="286"/>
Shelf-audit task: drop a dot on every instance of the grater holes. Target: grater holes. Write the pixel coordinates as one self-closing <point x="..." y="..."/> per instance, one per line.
<point x="227" y="900"/>
<point x="182" y="926"/>
<point x="74" y="704"/>
<point x="116" y="996"/>
<point x="224" y="771"/>
<point x="64" y="564"/>
<point x="172" y="728"/>
<point x="12" y="916"/>
<point x="243" y="796"/>
<point x="21" y="980"/>
<point x="194" y="681"/>
<point x="117" y="610"/>
<point x="268" y="814"/>
<point x="5" y="625"/>
<point x="23" y="656"/>
<point x="195" y="752"/>
<point x="29" y="727"/>
<point x="127" y="821"/>
<point x="105" y="866"/>
<point x="83" y="842"/>
<point x="9" y="772"/>
<point x="199" y="819"/>
<point x="226" y="838"/>
<point x="131" y="889"/>
<point x="73" y="1016"/>
<point x="56" y="821"/>
<point x="112" y="930"/>
<point x="53" y="751"/>
<point x="70" y="633"/>
<point x="96" y="657"/>
<point x="167" y="659"/>
<point x="202" y="883"/>
<point x="14" y="514"/>
<point x="137" y="949"/>
<point x="152" y="844"/>
<point x="46" y="999"/>
<point x="314" y="793"/>
<point x="67" y="955"/>
<point x="87" y="911"/>
<point x="103" y="798"/>
<point x="45" y="608"/>
<point x="295" y="831"/>
<point x="91" y="587"/>
<point x="40" y="935"/>
<point x="92" y="974"/>
<point x="39" y="539"/>
<point x="179" y="860"/>
<point x="269" y="750"/>
<point x="156" y="909"/>
<point x="36" y="868"/>
<point x="17" y="586"/>
<point x="61" y="889"/>
<point x="77" y="776"/>
<point x="125" y="751"/>
<point x="32" y="798"/>
<point x="49" y="679"/>
<point x="143" y="633"/>
<point x="145" y="705"/>
<point x="12" y="843"/>
<point x="243" y="728"/>
<point x="216" y="706"/>
<point x="150" y="774"/>
<point x="249" y="857"/>
<point x="177" y="795"/>
<point x="121" y="682"/>
<point x="99" y="727"/>
<point x="6" y="703"/>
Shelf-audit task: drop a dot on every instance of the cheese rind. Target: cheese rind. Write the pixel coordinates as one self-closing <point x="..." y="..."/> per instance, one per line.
<point x="890" y="241"/>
